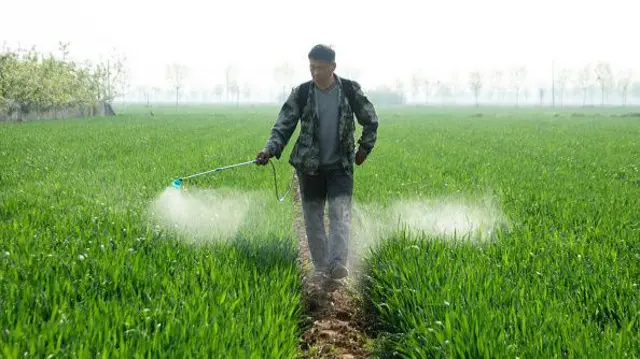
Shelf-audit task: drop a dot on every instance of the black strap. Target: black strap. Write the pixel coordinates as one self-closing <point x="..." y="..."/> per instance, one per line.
<point x="303" y="93"/>
<point x="347" y="87"/>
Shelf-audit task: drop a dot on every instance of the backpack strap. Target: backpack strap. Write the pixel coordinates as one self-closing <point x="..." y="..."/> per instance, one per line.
<point x="302" y="95"/>
<point x="348" y="88"/>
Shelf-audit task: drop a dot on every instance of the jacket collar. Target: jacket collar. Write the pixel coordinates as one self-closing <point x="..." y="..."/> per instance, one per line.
<point x="337" y="79"/>
<point x="310" y="109"/>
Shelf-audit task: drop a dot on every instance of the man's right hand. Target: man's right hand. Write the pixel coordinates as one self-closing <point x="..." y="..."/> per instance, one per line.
<point x="263" y="157"/>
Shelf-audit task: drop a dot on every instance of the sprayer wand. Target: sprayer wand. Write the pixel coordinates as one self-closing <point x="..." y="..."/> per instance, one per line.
<point x="177" y="183"/>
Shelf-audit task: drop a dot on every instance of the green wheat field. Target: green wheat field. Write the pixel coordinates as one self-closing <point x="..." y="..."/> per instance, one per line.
<point x="88" y="269"/>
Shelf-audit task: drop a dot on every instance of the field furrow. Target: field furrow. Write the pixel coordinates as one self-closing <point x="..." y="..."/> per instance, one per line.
<point x="333" y="326"/>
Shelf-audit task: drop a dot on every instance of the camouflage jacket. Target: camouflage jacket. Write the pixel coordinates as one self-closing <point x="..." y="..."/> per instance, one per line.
<point x="305" y="153"/>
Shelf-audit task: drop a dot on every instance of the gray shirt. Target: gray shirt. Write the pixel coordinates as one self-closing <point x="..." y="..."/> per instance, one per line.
<point x="328" y="105"/>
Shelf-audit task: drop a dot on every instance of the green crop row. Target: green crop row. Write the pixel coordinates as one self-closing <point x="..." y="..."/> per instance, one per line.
<point x="560" y="275"/>
<point x="86" y="271"/>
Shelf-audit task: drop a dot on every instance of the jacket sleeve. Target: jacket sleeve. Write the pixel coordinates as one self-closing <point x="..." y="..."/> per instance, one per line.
<point x="284" y="126"/>
<point x="367" y="118"/>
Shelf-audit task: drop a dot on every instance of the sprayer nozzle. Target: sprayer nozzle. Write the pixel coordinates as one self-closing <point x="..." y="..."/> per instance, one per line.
<point x="177" y="183"/>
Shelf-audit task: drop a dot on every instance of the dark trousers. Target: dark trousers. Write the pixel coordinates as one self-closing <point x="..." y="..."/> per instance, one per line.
<point x="336" y="188"/>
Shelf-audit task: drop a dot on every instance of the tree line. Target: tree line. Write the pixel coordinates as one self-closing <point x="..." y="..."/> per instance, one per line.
<point x="594" y="84"/>
<point x="565" y="82"/>
<point x="31" y="81"/>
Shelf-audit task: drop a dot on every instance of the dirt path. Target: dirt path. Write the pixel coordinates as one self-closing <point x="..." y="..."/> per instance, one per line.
<point x="334" y="326"/>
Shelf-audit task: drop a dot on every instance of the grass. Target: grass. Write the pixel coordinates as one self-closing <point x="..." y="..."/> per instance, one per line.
<point x="84" y="272"/>
<point x="561" y="280"/>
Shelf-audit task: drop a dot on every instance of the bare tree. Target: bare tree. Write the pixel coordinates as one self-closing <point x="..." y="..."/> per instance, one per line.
<point x="561" y="82"/>
<point x="624" y="81"/>
<point x="156" y="92"/>
<point x="146" y="93"/>
<point x="416" y="84"/>
<point x="443" y="90"/>
<point x="604" y="76"/>
<point x="218" y="91"/>
<point x="125" y="84"/>
<point x="400" y="87"/>
<point x="177" y="75"/>
<point x="231" y="79"/>
<point x="110" y="76"/>
<point x="541" y="95"/>
<point x="518" y="76"/>
<point x="497" y="84"/>
<point x="583" y="81"/>
<point x="246" y="91"/>
<point x="527" y="93"/>
<point x="426" y="85"/>
<point x="475" y="83"/>
<point x="284" y="74"/>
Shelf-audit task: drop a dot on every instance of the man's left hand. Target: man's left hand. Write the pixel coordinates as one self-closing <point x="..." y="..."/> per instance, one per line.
<point x="361" y="156"/>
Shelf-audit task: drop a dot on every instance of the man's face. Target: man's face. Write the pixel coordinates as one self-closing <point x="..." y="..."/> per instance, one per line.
<point x="321" y="71"/>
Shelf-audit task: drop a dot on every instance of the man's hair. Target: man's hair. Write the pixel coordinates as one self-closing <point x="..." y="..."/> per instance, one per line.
<point x="322" y="52"/>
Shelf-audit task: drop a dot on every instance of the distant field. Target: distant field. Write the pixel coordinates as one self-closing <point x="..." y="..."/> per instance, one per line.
<point x="84" y="270"/>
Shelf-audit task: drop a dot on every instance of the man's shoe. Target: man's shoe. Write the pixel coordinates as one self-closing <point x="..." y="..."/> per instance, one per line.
<point x="318" y="277"/>
<point x="338" y="271"/>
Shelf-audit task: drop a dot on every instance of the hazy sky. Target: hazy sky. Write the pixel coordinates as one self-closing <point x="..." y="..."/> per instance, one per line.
<point x="392" y="40"/>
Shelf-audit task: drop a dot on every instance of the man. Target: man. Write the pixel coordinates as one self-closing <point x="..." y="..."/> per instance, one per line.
<point x="324" y="154"/>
